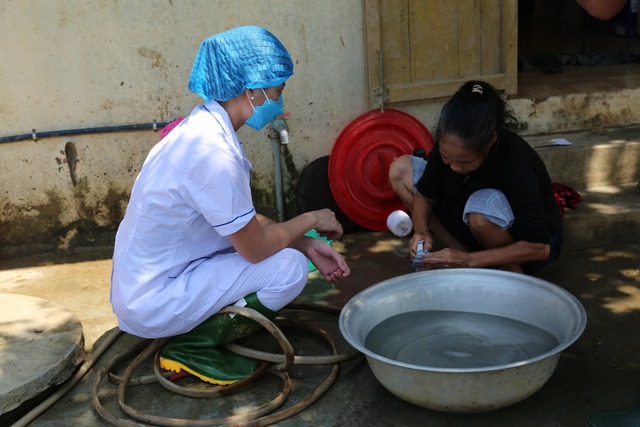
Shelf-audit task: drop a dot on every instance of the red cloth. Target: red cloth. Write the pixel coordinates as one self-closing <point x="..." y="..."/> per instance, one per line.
<point x="566" y="197"/>
<point x="165" y="130"/>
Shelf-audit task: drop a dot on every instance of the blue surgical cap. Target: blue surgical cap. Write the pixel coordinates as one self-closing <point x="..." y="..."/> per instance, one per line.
<point x="243" y="58"/>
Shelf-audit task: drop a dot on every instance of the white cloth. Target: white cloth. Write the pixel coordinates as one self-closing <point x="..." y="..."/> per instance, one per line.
<point x="493" y="205"/>
<point x="173" y="267"/>
<point x="419" y="165"/>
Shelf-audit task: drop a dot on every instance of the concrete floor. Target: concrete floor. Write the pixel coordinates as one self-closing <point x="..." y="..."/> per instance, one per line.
<point x="601" y="371"/>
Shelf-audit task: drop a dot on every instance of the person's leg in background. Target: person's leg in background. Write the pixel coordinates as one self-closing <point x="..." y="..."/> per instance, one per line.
<point x="404" y="173"/>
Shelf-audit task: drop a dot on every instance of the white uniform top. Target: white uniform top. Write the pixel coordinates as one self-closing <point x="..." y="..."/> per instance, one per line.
<point x="192" y="191"/>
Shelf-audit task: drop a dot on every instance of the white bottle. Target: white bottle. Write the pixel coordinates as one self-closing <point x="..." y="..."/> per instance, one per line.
<point x="399" y="223"/>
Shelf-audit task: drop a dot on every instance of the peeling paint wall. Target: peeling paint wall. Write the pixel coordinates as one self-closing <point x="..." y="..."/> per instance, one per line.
<point x="90" y="63"/>
<point x="71" y="64"/>
<point x="42" y="209"/>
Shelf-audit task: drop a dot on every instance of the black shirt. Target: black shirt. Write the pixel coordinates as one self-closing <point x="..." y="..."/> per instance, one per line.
<point x="513" y="167"/>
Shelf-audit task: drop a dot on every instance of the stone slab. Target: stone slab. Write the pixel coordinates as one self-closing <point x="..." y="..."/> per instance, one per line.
<point x="41" y="345"/>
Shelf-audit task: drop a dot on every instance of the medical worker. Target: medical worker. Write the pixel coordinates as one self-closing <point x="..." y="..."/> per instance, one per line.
<point x="191" y="241"/>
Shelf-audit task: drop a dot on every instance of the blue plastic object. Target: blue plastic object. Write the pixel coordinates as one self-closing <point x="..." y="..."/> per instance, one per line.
<point x="629" y="417"/>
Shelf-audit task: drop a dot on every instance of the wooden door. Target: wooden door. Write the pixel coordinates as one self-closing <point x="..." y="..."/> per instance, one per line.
<point x="425" y="49"/>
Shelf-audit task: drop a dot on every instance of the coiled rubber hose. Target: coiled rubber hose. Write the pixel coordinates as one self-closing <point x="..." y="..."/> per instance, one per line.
<point x="265" y="414"/>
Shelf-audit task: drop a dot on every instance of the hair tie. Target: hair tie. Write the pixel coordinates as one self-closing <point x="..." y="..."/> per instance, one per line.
<point x="477" y="89"/>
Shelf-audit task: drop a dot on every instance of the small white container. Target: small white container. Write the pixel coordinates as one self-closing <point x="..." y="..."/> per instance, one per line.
<point x="399" y="223"/>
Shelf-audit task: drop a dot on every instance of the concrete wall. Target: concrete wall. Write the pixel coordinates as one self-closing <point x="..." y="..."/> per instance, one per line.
<point x="70" y="64"/>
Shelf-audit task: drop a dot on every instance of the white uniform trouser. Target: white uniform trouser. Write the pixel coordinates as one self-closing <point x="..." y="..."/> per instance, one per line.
<point x="277" y="281"/>
<point x="213" y="284"/>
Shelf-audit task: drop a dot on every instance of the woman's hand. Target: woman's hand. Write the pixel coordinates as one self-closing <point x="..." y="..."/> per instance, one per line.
<point x="413" y="243"/>
<point x="327" y="260"/>
<point x="446" y="258"/>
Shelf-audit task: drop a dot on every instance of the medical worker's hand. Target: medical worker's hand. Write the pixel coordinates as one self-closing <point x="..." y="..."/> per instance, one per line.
<point x="327" y="224"/>
<point x="327" y="260"/>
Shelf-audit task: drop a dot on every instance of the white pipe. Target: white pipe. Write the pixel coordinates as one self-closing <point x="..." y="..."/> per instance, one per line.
<point x="281" y="138"/>
<point x="281" y="127"/>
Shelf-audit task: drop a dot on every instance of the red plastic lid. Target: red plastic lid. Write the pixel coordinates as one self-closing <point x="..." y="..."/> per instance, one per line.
<point x="360" y="159"/>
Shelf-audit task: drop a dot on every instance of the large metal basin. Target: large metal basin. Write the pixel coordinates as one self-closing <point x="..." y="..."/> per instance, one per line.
<point x="514" y="296"/>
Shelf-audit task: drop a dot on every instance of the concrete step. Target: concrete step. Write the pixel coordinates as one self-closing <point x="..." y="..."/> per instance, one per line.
<point x="606" y="216"/>
<point x="604" y="167"/>
<point x="607" y="157"/>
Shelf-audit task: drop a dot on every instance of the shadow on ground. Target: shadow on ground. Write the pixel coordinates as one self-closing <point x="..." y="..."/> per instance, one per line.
<point x="601" y="371"/>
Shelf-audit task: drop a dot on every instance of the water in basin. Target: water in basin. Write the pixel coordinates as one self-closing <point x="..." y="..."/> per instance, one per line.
<point x="459" y="340"/>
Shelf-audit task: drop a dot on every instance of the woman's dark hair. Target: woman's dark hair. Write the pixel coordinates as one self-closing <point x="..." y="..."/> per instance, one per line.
<point x="473" y="114"/>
